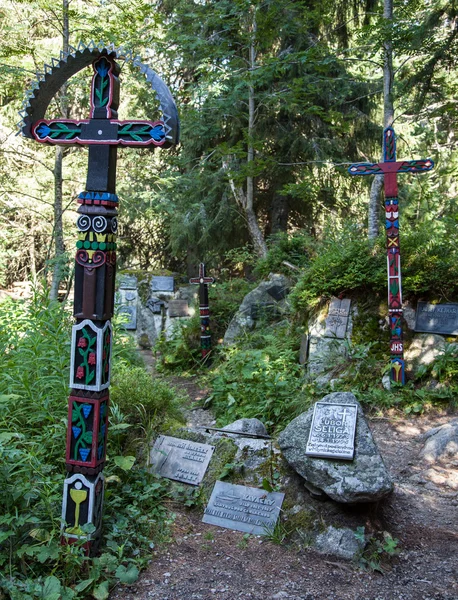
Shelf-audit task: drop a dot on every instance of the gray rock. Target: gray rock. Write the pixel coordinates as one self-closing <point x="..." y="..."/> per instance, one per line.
<point x="339" y="542"/>
<point x="254" y="426"/>
<point x="409" y="314"/>
<point x="423" y="351"/>
<point x="386" y="382"/>
<point x="442" y="443"/>
<point x="365" y="479"/>
<point x="242" y="320"/>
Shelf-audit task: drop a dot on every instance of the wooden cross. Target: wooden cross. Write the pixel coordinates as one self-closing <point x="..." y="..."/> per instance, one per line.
<point x="95" y="259"/>
<point x="203" y="281"/>
<point x="390" y="169"/>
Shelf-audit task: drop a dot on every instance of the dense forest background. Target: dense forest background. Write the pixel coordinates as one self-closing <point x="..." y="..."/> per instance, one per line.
<point x="276" y="99"/>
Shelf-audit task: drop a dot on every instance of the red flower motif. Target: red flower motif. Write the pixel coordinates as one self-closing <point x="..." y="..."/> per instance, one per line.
<point x="82" y="342"/>
<point x="107" y="339"/>
<point x="80" y="372"/>
<point x="91" y="358"/>
<point x="106" y="368"/>
<point x="104" y="355"/>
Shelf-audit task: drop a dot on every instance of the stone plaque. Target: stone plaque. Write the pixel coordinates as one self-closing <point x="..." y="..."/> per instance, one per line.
<point x="243" y="508"/>
<point x="162" y="284"/>
<point x="277" y="292"/>
<point x="332" y="433"/>
<point x="127" y="282"/>
<point x="127" y="303"/>
<point x="181" y="460"/>
<point x="437" y="318"/>
<point x="155" y="305"/>
<point x="178" y="308"/>
<point x="337" y="319"/>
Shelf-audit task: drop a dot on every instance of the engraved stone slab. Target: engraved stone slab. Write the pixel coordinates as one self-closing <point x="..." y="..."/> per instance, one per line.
<point x="127" y="282"/>
<point x="181" y="460"/>
<point x="127" y="302"/>
<point x="162" y="284"/>
<point x="243" y="508"/>
<point x="332" y="433"/>
<point x="337" y="319"/>
<point x="437" y="318"/>
<point x="178" y="308"/>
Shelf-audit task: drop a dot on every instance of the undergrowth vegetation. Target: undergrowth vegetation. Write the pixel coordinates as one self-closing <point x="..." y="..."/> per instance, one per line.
<point x="34" y="365"/>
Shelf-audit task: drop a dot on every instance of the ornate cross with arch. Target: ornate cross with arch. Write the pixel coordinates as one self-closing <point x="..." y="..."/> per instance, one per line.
<point x="95" y="260"/>
<point x="390" y="169"/>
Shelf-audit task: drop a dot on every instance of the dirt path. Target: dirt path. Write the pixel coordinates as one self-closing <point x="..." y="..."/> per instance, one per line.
<point x="204" y="562"/>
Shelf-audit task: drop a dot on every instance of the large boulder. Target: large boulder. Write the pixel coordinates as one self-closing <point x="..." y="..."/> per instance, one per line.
<point x="266" y="300"/>
<point x="441" y="443"/>
<point x="423" y="351"/>
<point x="364" y="479"/>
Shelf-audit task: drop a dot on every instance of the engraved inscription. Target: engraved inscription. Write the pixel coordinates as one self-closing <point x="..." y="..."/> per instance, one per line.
<point x="437" y="318"/>
<point x="243" y="508"/>
<point x="181" y="460"/>
<point x="337" y="319"/>
<point x="332" y="432"/>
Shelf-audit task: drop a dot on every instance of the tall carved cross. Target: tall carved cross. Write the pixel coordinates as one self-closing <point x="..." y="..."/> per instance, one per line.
<point x="203" y="281"/>
<point x="95" y="259"/>
<point x="390" y="169"/>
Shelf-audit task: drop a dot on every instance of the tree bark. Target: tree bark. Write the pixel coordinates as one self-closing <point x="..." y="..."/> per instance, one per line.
<point x="246" y="200"/>
<point x="388" y="118"/>
<point x="59" y="246"/>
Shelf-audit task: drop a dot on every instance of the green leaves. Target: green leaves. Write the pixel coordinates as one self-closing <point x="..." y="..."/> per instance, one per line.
<point x="127" y="575"/>
<point x="124" y="462"/>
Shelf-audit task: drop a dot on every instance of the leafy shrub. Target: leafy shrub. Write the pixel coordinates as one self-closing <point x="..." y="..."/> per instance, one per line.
<point x="224" y="301"/>
<point x="296" y="248"/>
<point x="263" y="379"/>
<point x="144" y="399"/>
<point x="343" y="264"/>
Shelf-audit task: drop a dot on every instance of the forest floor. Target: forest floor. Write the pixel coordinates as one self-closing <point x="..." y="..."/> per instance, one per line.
<point x="204" y="562"/>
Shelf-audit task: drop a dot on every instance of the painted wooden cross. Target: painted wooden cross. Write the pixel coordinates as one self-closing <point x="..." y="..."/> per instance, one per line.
<point x="390" y="169"/>
<point x="95" y="259"/>
<point x="203" y="281"/>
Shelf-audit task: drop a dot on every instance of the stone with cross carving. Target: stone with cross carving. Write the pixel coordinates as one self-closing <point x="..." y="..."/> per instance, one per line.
<point x="390" y="168"/>
<point x="95" y="261"/>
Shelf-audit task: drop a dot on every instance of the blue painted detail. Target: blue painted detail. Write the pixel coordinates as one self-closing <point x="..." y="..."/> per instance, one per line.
<point x="43" y="131"/>
<point x="390" y="224"/>
<point x="84" y="453"/>
<point x="87" y="410"/>
<point x="98" y="196"/>
<point x="102" y="67"/>
<point x="157" y="133"/>
<point x="76" y="432"/>
<point x="102" y="410"/>
<point x="103" y="429"/>
<point x="100" y="452"/>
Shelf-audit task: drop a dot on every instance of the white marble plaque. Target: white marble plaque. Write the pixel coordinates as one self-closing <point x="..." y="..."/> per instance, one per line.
<point x="181" y="460"/>
<point x="243" y="508"/>
<point x="332" y="432"/>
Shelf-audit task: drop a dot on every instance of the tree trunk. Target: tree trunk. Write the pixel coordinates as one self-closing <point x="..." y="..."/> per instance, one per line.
<point x="388" y="118"/>
<point x="246" y="201"/>
<point x="59" y="246"/>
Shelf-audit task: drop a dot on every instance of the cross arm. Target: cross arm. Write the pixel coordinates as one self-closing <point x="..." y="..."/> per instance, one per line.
<point x="98" y="131"/>
<point x="365" y="169"/>
<point x="416" y="166"/>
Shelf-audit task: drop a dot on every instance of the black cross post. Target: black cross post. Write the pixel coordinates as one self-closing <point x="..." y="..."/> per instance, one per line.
<point x="95" y="260"/>
<point x="203" y="282"/>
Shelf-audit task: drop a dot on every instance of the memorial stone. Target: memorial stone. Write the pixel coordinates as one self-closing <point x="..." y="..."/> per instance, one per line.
<point x="242" y="508"/>
<point x="437" y="318"/>
<point x="180" y="460"/>
<point x="126" y="300"/>
<point x="163" y="284"/>
<point x="178" y="308"/>
<point x="332" y="433"/>
<point x="337" y="319"/>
